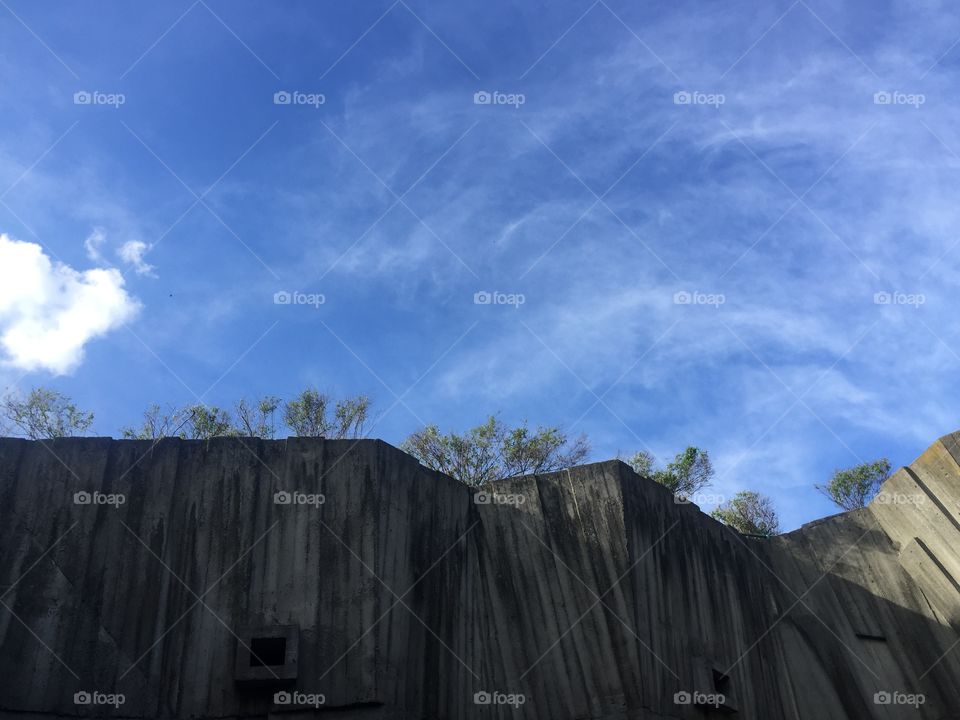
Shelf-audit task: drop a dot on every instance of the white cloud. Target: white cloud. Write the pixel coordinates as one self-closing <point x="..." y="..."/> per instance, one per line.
<point x="49" y="311"/>
<point x="132" y="252"/>
<point x="93" y="243"/>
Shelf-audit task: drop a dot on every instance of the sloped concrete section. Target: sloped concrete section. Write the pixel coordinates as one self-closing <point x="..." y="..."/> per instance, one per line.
<point x="241" y="578"/>
<point x="919" y="508"/>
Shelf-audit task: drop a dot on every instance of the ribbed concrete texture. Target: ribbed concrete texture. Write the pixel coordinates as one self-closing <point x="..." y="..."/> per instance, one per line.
<point x="241" y="578"/>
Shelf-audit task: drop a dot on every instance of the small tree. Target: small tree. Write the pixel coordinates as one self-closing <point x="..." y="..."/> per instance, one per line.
<point x="471" y="457"/>
<point x="156" y="424"/>
<point x="492" y="451"/>
<point x="207" y="421"/>
<point x="529" y="453"/>
<point x="350" y="417"/>
<point x="45" y="414"/>
<point x="256" y="419"/>
<point x="854" y="487"/>
<point x="308" y="415"/>
<point x="750" y="513"/>
<point x="642" y="463"/>
<point x="689" y="472"/>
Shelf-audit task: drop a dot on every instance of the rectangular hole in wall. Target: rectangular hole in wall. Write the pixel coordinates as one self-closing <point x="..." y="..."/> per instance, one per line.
<point x="268" y="651"/>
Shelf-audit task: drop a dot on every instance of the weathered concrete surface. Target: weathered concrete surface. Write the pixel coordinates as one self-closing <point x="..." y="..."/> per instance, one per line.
<point x="596" y="597"/>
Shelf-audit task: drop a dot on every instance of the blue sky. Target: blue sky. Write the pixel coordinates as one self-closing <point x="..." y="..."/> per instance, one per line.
<point x="803" y="200"/>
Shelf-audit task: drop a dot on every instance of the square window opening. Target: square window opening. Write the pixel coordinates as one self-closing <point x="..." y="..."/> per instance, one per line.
<point x="268" y="651"/>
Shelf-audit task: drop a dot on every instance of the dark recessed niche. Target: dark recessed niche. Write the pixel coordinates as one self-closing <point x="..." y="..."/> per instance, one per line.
<point x="268" y="651"/>
<point x="267" y="654"/>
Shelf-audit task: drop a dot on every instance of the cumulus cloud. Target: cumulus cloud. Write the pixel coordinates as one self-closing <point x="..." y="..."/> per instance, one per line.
<point x="132" y="252"/>
<point x="49" y="311"/>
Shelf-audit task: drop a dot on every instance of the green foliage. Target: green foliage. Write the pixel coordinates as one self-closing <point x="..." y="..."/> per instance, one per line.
<point x="492" y="451"/>
<point x="642" y="463"/>
<point x="854" y="487"/>
<point x="257" y="419"/>
<point x="689" y="472"/>
<point x="470" y="457"/>
<point x="308" y="415"/>
<point x="45" y="414"/>
<point x="156" y="424"/>
<point x="525" y="452"/>
<point x="750" y="513"/>
<point x="350" y="417"/>
<point x="207" y="421"/>
<point x="202" y="422"/>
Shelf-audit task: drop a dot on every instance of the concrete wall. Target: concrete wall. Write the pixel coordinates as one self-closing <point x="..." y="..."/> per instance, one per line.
<point x="590" y="592"/>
